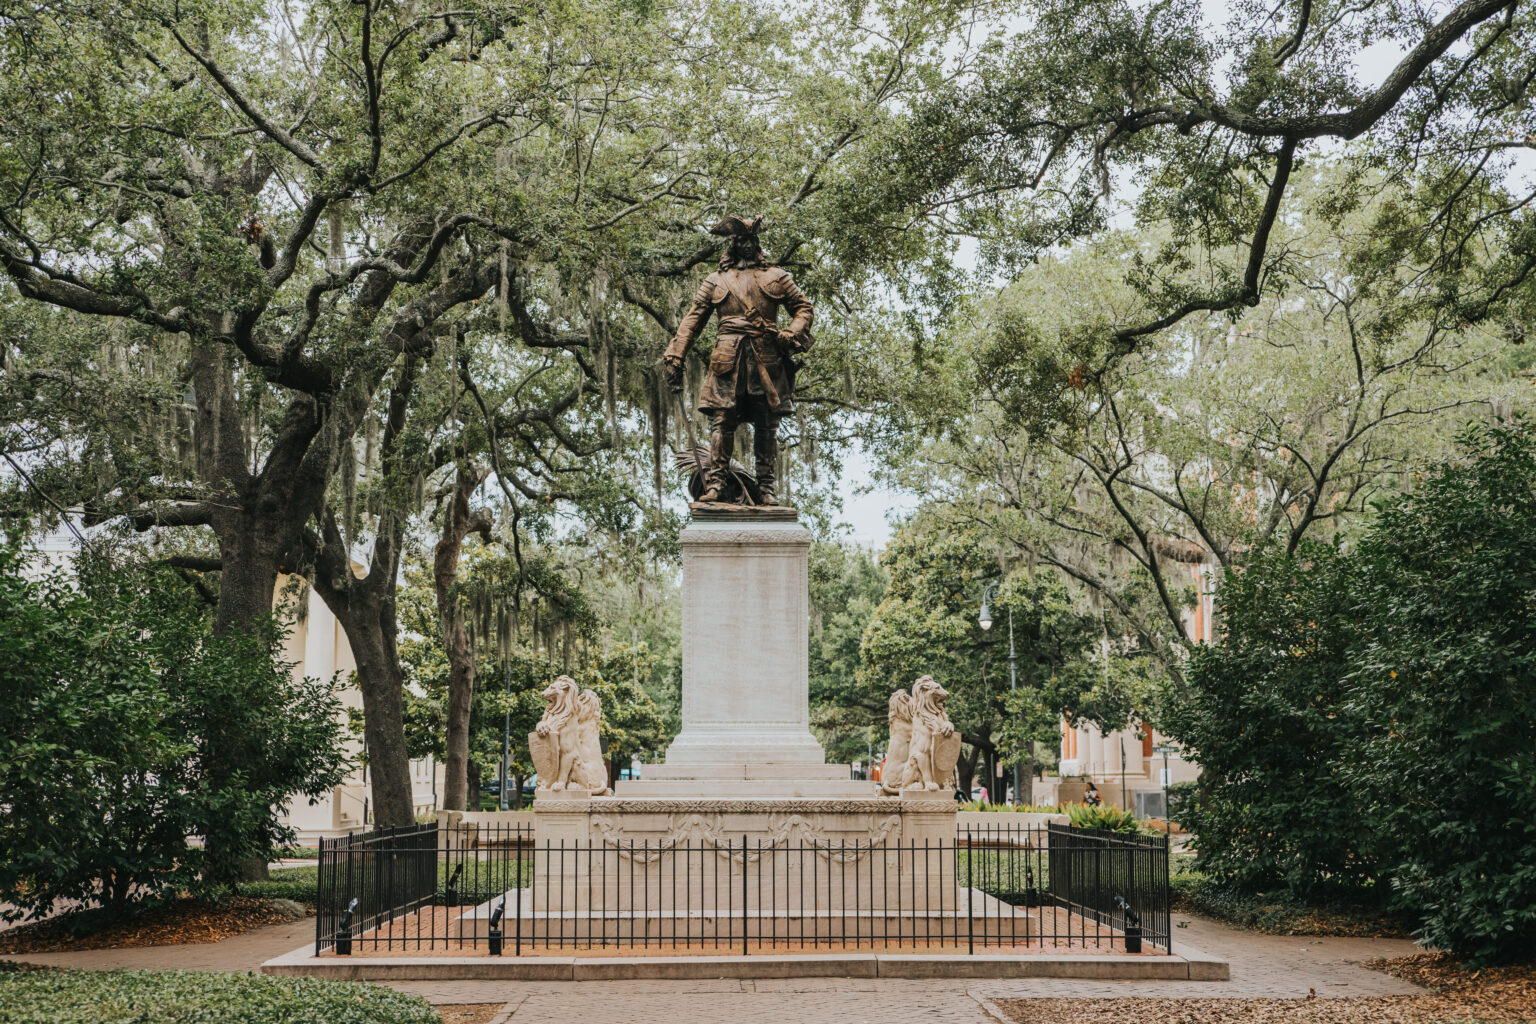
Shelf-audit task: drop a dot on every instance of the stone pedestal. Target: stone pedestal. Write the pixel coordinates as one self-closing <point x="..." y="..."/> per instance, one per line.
<point x="745" y="623"/>
<point x="745" y="825"/>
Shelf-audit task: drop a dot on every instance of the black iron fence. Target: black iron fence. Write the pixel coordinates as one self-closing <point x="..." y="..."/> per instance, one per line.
<point x="470" y="889"/>
<point x="1118" y="879"/>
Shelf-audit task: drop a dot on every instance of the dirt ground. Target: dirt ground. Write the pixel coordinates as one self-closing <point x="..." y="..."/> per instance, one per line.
<point x="469" y="1013"/>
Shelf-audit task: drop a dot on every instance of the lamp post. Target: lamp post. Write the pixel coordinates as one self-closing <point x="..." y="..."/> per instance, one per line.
<point x="1123" y="805"/>
<point x="506" y="734"/>
<point x="1165" y="749"/>
<point x="985" y="621"/>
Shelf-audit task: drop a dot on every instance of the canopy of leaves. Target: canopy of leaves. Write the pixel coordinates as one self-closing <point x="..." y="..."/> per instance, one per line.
<point x="1213" y="438"/>
<point x="1043" y="127"/>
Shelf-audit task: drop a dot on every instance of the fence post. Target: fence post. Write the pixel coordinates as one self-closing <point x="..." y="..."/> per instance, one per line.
<point x="1167" y="895"/>
<point x="320" y="898"/>
<point x="970" y="894"/>
<point x="744" y="895"/>
<point x="519" y="853"/>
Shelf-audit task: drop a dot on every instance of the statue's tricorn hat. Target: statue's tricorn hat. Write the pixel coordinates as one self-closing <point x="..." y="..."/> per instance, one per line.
<point x="735" y="226"/>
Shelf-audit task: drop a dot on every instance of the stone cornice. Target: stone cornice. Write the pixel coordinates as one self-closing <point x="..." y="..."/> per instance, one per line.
<point x="809" y="805"/>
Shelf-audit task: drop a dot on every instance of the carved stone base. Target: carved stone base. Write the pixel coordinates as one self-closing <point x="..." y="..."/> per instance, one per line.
<point x="966" y="915"/>
<point x="620" y="853"/>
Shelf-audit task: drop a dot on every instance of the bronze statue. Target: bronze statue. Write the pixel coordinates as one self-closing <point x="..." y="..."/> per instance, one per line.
<point x="752" y="368"/>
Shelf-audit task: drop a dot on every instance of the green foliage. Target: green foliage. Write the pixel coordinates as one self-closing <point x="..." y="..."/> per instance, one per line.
<point x="1101" y="816"/>
<point x="846" y="585"/>
<point x="1444" y="688"/>
<point x="1180" y="799"/>
<point x="112" y="692"/>
<point x="927" y="625"/>
<point x="1020" y="144"/>
<point x="989" y="806"/>
<point x="281" y="887"/>
<point x="209" y="997"/>
<point x="1211" y="441"/>
<point x="1263" y="714"/>
<point x="1369" y="718"/>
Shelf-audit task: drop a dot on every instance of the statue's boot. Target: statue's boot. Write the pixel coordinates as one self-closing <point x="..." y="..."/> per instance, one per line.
<point x="722" y="442"/>
<point x="765" y="450"/>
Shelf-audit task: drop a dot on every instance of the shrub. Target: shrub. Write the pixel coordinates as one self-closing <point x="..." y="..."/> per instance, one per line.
<point x="174" y="997"/>
<point x="1444" y="686"/>
<point x="1182" y="797"/>
<point x="1369" y="717"/>
<point x="1263" y="714"/>
<point x="113" y="690"/>
<point x="1101" y="816"/>
<point x="985" y="805"/>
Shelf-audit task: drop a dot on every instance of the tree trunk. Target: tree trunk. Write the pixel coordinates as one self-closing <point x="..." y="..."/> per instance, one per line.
<point x="965" y="770"/>
<point x="382" y="685"/>
<point x="1026" y="794"/>
<point x="457" y="524"/>
<point x="249" y="567"/>
<point x="365" y="608"/>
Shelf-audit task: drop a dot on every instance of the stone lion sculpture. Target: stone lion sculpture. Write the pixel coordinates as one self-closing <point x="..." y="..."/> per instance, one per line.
<point x="591" y="768"/>
<point x="924" y="744"/>
<point x="899" y="715"/>
<point x="564" y="746"/>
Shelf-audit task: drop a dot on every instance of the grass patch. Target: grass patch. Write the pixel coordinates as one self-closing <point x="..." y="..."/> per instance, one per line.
<point x="177" y="997"/>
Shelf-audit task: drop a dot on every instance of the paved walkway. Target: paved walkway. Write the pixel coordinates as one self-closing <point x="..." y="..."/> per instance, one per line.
<point x="1262" y="966"/>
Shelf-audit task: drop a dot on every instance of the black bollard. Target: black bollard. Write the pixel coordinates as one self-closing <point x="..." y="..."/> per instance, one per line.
<point x="495" y="934"/>
<point x="1132" y="925"/>
<point x="344" y="931"/>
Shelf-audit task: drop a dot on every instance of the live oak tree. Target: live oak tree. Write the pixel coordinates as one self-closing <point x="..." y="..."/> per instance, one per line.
<point x="236" y="240"/>
<point x="1214" y="438"/>
<point x="266" y="209"/>
<point x="1046" y="129"/>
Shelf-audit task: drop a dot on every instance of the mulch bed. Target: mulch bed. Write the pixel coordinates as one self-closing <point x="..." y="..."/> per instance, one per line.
<point x="174" y="923"/>
<point x="1499" y="995"/>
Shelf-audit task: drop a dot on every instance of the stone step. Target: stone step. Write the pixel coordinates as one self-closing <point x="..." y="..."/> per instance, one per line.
<point x="746" y="770"/>
<point x="704" y="789"/>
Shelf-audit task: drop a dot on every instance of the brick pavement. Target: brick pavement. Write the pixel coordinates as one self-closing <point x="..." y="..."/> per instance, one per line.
<point x="1262" y="965"/>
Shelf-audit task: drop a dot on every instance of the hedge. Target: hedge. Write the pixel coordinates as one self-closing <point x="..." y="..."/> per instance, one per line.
<point x="197" y="997"/>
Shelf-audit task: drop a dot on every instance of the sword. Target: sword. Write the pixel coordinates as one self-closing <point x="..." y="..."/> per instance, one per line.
<point x="693" y="438"/>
